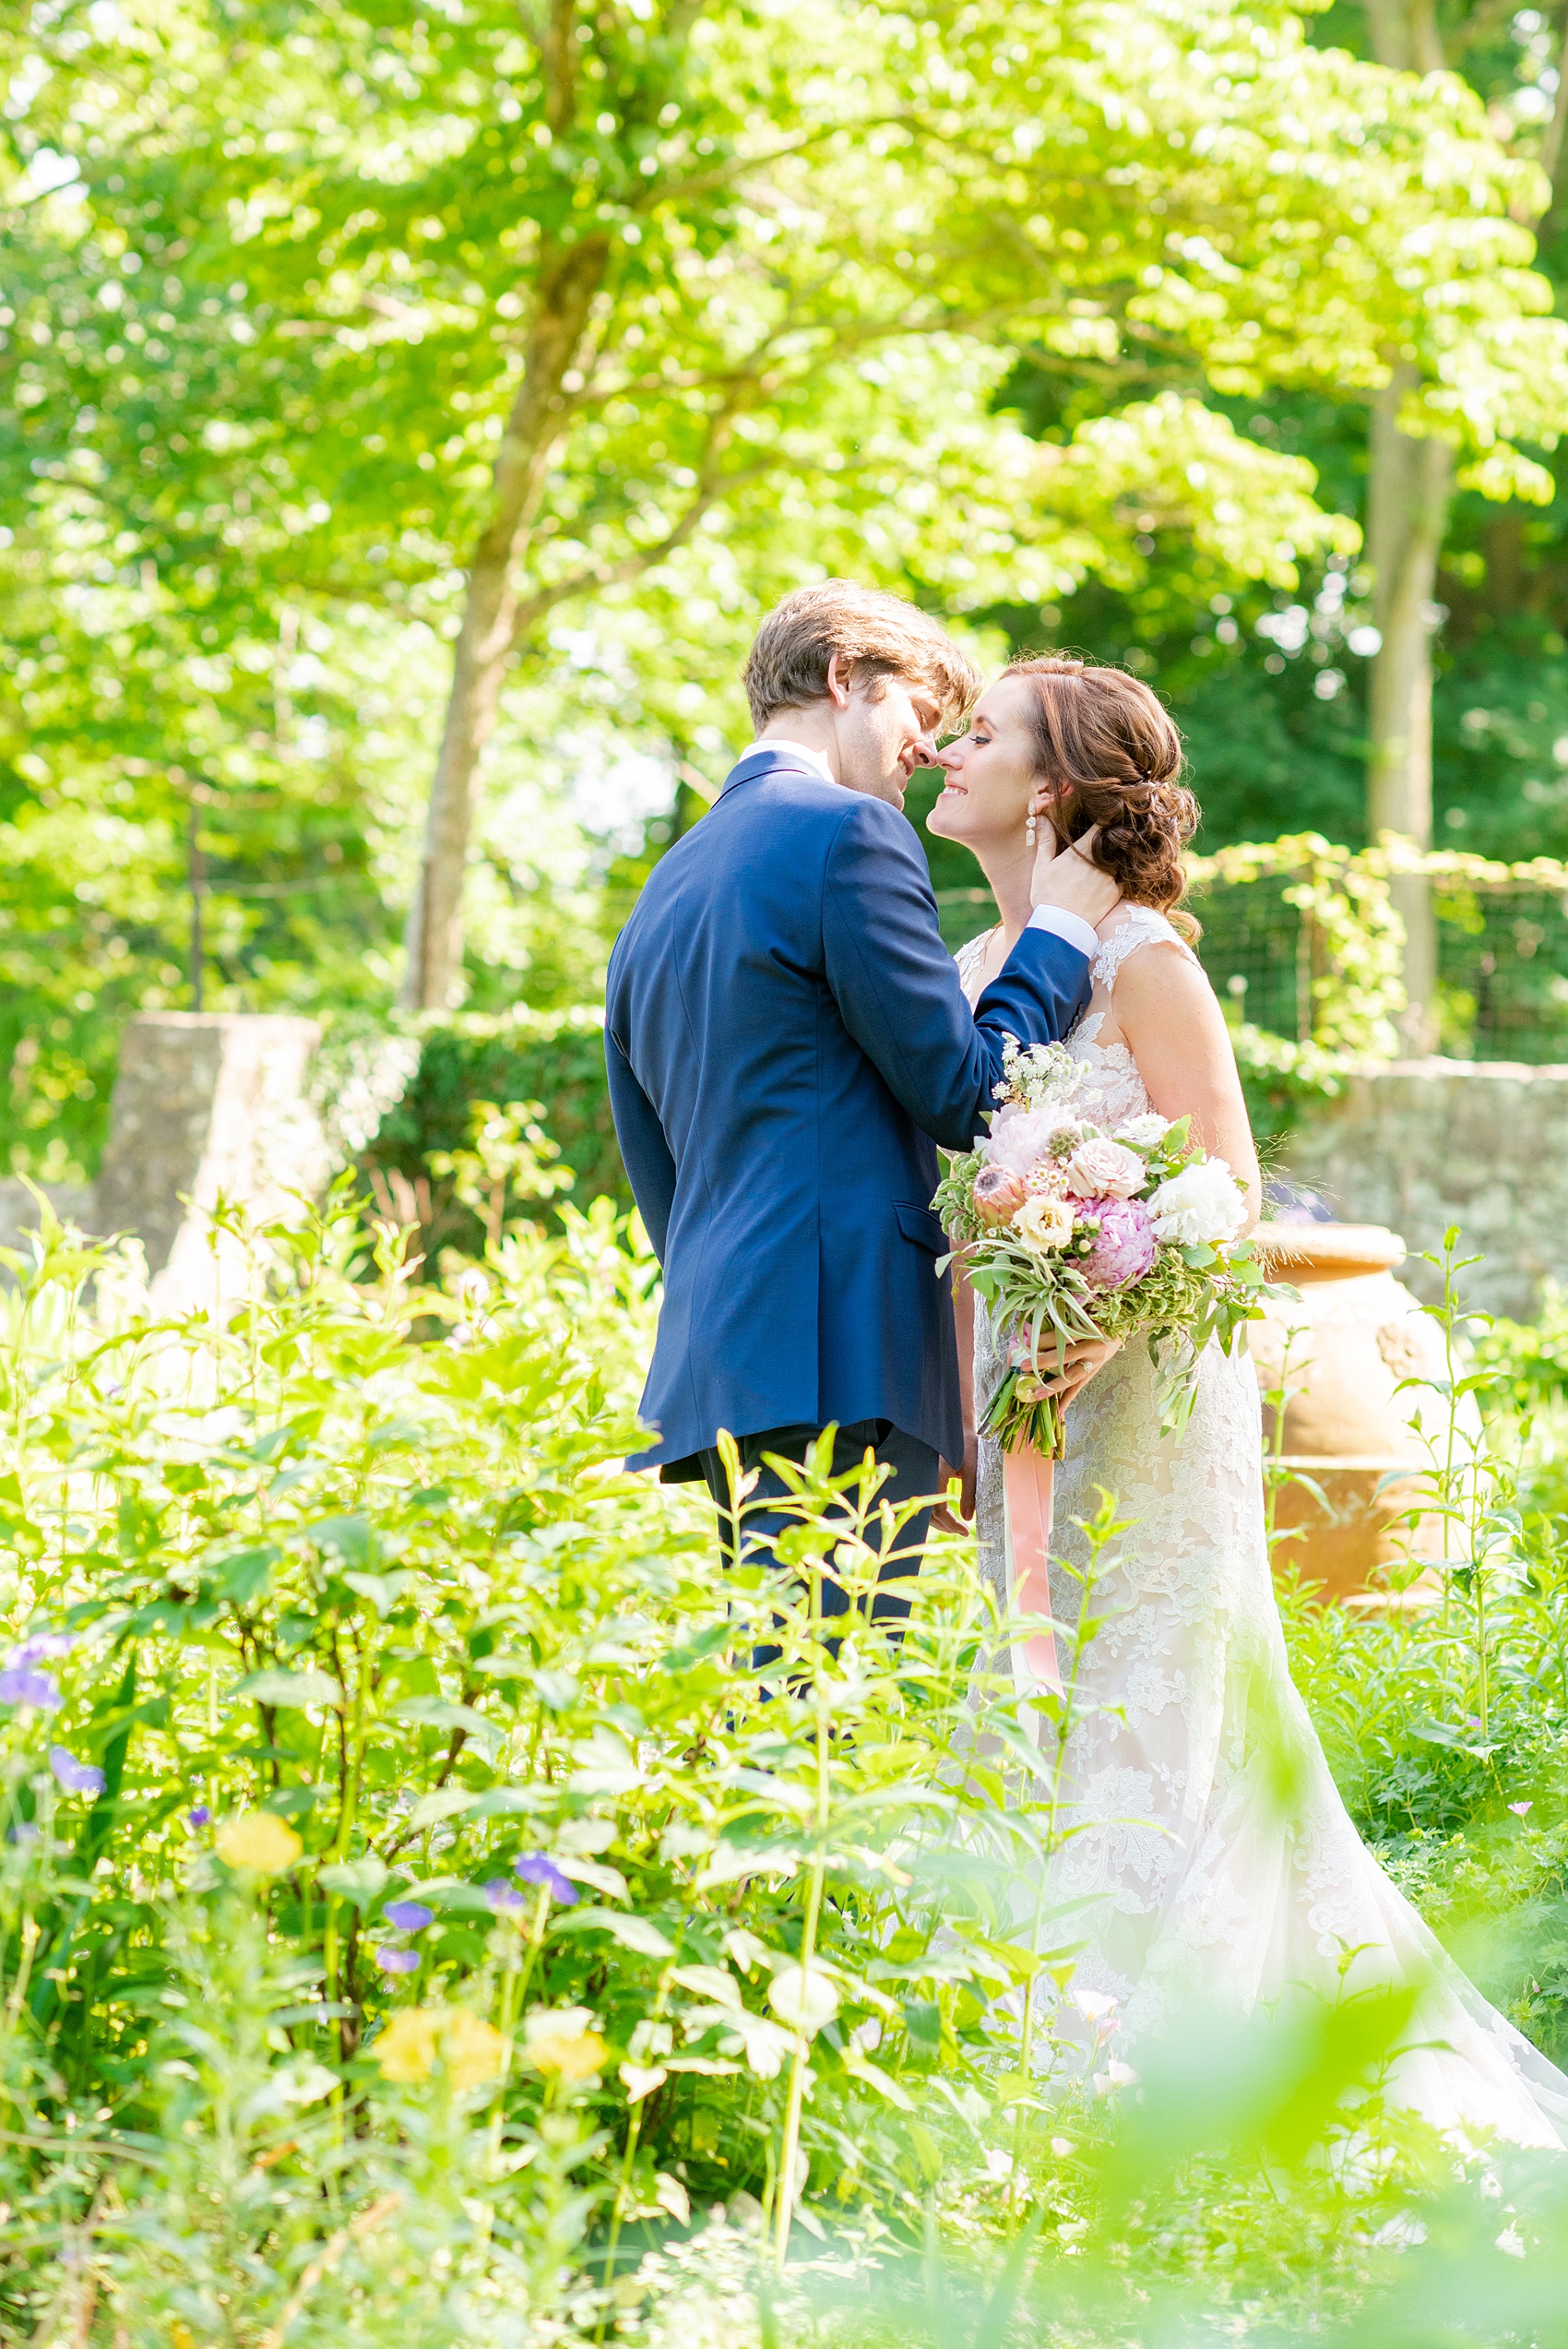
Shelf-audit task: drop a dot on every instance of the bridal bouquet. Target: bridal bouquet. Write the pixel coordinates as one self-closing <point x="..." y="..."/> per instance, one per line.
<point x="1076" y="1233"/>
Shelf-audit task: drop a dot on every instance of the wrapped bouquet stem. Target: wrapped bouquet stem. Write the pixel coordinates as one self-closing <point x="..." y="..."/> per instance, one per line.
<point x="1027" y="1481"/>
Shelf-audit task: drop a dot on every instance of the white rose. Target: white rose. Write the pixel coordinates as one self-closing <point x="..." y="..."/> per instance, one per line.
<point x="1203" y="1203"/>
<point x="1044" y="1222"/>
<point x="1144" y="1131"/>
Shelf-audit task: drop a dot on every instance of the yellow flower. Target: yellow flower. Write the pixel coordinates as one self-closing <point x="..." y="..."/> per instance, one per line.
<point x="561" y="2039"/>
<point x="471" y="2049"/>
<point x="259" y="1841"/>
<point x="1044" y="1222"/>
<point x="406" y="2049"/>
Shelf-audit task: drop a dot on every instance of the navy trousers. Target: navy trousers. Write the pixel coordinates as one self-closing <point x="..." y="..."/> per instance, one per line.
<point x="915" y="1469"/>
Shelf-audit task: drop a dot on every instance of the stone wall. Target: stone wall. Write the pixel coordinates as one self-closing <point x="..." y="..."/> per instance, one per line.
<point x="209" y="1108"/>
<point x="1422" y="1144"/>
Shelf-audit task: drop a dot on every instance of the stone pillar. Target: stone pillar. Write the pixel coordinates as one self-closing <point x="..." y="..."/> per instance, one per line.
<point x="207" y="1106"/>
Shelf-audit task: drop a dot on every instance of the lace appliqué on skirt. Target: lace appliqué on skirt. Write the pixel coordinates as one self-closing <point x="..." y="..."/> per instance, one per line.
<point x="1217" y="1858"/>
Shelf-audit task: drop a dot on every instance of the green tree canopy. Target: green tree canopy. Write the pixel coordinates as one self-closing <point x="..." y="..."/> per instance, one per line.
<point x="348" y="344"/>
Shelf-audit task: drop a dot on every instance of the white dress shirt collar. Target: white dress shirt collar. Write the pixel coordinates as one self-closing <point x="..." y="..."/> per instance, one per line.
<point x="780" y="741"/>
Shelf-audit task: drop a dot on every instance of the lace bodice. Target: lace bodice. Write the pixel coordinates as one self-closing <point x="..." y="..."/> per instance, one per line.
<point x="1115" y="1092"/>
<point x="1188" y="1873"/>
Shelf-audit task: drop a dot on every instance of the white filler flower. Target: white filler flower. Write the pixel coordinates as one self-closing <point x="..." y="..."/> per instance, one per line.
<point x="1203" y="1203"/>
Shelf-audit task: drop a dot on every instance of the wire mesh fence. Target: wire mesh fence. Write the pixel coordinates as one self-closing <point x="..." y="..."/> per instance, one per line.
<point x="1501" y="947"/>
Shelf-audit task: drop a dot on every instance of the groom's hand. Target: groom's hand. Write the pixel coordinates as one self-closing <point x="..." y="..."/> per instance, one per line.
<point x="1065" y="878"/>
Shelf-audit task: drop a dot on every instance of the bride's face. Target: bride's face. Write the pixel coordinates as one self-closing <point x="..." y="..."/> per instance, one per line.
<point x="993" y="782"/>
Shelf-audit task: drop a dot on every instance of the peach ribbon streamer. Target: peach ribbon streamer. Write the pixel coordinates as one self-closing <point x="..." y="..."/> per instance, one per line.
<point x="1027" y="1478"/>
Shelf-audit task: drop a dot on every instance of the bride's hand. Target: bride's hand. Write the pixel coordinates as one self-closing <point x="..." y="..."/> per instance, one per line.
<point x="1063" y="1374"/>
<point x="1066" y="879"/>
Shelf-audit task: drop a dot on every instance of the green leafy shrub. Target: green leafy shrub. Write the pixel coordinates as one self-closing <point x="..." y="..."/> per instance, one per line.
<point x="372" y="1738"/>
<point x="468" y="1061"/>
<point x="417" y="1924"/>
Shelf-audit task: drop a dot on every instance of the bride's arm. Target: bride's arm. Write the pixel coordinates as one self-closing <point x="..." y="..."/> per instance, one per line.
<point x="1169" y="1013"/>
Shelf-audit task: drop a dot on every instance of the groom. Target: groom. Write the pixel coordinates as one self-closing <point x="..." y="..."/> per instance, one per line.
<point x="788" y="1042"/>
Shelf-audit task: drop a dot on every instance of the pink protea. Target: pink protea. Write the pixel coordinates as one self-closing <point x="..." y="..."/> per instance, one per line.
<point x="1124" y="1246"/>
<point x="998" y="1195"/>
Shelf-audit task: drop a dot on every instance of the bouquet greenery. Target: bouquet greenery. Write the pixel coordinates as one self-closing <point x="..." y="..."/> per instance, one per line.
<point x="1083" y="1234"/>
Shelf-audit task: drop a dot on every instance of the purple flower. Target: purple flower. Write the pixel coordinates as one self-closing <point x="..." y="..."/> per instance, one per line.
<point x="1521" y="1808"/>
<point x="408" y="1916"/>
<point x="41" y="1645"/>
<point x="76" y="1777"/>
<point x="24" y="1832"/>
<point x="537" y="1868"/>
<point x="200" y="1816"/>
<point x="502" y="1896"/>
<point x="1123" y="1247"/>
<point x="19" y="1685"/>
<point x="392" y="1960"/>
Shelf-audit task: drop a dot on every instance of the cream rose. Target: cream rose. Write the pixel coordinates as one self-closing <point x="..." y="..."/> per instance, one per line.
<point x="1102" y="1170"/>
<point x="1044" y="1222"/>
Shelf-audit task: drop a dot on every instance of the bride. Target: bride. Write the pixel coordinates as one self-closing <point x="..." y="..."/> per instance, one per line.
<point x="1214" y="1857"/>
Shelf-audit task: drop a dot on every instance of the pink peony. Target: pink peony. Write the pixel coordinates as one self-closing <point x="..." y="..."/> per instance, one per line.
<point x="1022" y="1138"/>
<point x="998" y="1195"/>
<point x="1124" y="1246"/>
<point x="1098" y="1168"/>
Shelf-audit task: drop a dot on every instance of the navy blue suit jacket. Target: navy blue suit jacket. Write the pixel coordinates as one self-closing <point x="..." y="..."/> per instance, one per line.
<point x="788" y="1042"/>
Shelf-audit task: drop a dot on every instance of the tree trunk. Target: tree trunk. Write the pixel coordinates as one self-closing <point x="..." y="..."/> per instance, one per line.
<point x="564" y="303"/>
<point x="1407" y="512"/>
<point x="1405" y="35"/>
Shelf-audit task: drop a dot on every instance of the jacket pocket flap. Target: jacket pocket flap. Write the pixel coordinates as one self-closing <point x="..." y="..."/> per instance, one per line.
<point x="918" y="1224"/>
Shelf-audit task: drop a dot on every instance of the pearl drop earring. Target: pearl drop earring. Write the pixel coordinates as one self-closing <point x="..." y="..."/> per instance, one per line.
<point x="1029" y="831"/>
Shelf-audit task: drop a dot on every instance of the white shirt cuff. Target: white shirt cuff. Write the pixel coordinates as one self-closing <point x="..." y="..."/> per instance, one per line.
<point x="1069" y="926"/>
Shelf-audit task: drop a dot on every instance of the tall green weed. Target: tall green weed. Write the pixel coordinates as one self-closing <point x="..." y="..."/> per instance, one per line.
<point x="420" y="1926"/>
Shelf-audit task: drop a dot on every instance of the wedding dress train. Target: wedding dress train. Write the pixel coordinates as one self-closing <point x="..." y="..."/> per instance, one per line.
<point x="1216" y="1859"/>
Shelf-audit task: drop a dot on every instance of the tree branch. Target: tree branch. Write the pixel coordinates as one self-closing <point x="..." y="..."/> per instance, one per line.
<point x="558" y="58"/>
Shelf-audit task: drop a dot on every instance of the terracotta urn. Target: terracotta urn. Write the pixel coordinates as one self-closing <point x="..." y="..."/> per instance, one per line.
<point x="1341" y="1353"/>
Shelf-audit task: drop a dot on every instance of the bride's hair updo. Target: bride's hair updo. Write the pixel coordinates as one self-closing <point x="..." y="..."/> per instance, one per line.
<point x="1109" y="747"/>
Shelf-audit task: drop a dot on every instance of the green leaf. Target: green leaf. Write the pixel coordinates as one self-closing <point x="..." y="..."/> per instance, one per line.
<point x="243" y="1576"/>
<point x="361" y="1881"/>
<point x="293" y="1689"/>
<point x="383" y="1591"/>
<point x="435" y="1712"/>
<point x="632" y="1932"/>
<point x="446" y="1802"/>
<point x="348" y="1538"/>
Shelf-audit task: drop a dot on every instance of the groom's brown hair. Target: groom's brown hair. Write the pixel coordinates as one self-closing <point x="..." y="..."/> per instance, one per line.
<point x="873" y="635"/>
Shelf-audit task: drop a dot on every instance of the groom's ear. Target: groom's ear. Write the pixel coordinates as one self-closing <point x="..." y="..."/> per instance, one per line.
<point x="836" y="683"/>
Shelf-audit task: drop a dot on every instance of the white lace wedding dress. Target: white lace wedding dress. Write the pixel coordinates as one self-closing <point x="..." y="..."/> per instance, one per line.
<point x="1217" y="1859"/>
